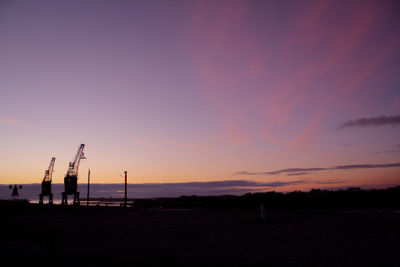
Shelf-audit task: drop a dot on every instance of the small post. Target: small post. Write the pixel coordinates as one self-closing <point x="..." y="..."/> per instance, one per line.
<point x="126" y="189"/>
<point x="88" y="187"/>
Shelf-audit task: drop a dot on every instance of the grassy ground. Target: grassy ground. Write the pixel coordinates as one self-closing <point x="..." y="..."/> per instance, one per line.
<point x="117" y="237"/>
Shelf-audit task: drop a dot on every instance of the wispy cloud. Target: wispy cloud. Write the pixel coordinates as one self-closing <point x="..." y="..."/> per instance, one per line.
<point x="296" y="171"/>
<point x="386" y="152"/>
<point x="176" y="143"/>
<point x="374" y="121"/>
<point x="366" y="166"/>
<point x="347" y="144"/>
<point x="330" y="182"/>
<point x="397" y="101"/>
<point x="141" y="142"/>
<point x="236" y="135"/>
<point x="159" y="142"/>
<point x="10" y="122"/>
<point x="223" y="67"/>
<point x="292" y="170"/>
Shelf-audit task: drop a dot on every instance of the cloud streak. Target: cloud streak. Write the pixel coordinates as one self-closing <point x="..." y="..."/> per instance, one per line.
<point x="300" y="171"/>
<point x="297" y="173"/>
<point x="330" y="182"/>
<point x="292" y="170"/>
<point x="366" y="166"/>
<point x="387" y="152"/>
<point x="370" y="122"/>
<point x="141" y="142"/>
<point x="10" y="122"/>
<point x="158" y="142"/>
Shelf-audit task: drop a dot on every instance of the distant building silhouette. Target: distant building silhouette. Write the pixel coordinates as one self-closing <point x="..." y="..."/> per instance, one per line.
<point x="14" y="193"/>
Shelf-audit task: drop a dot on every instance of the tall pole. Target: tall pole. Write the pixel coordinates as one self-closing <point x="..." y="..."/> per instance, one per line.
<point x="88" y="187"/>
<point x="126" y="188"/>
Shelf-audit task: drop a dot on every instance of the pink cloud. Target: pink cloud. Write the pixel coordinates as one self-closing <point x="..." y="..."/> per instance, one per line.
<point x="171" y="142"/>
<point x="11" y="122"/>
<point x="397" y="101"/>
<point x="236" y="135"/>
<point x="257" y="94"/>
<point x="309" y="135"/>
<point x="158" y="142"/>
<point x="141" y="142"/>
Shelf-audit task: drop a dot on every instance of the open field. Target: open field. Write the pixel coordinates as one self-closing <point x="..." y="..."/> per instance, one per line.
<point x="106" y="236"/>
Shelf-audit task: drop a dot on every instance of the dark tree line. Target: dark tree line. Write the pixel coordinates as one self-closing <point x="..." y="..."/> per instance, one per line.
<point x="352" y="198"/>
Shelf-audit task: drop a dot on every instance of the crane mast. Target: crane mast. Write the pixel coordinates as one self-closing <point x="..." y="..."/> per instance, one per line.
<point x="73" y="166"/>
<point x="46" y="183"/>
<point x="48" y="174"/>
<point x="71" y="178"/>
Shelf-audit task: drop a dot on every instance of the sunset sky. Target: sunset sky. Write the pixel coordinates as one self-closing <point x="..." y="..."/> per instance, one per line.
<point x="275" y="95"/>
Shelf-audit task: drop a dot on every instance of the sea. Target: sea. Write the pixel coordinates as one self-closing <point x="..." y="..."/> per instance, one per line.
<point x="31" y="192"/>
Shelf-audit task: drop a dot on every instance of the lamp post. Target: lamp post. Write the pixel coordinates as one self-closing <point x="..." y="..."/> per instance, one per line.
<point x="126" y="188"/>
<point x="88" y="187"/>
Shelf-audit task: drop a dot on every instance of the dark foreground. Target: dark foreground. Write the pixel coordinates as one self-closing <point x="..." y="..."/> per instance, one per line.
<point x="100" y="236"/>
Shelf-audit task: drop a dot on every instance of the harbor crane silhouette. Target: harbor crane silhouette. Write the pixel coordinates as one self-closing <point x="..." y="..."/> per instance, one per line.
<point x="71" y="178"/>
<point x="46" y="183"/>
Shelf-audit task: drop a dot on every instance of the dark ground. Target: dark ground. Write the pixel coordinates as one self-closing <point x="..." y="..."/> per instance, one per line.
<point x="105" y="236"/>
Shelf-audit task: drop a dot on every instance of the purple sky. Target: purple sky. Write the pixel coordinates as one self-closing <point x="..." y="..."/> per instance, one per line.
<point x="183" y="91"/>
